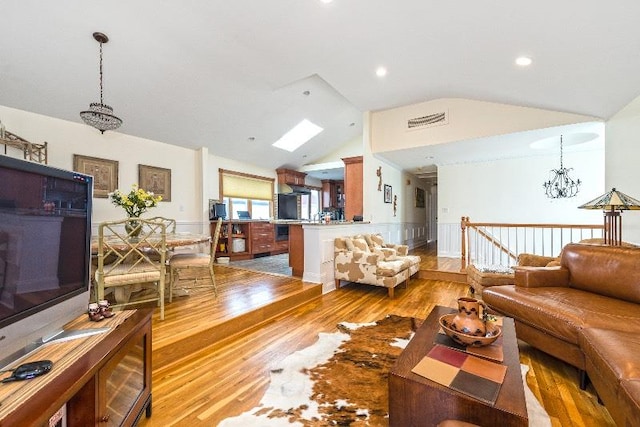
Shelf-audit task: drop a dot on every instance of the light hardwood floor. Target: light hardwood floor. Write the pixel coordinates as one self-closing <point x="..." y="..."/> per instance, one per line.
<point x="229" y="377"/>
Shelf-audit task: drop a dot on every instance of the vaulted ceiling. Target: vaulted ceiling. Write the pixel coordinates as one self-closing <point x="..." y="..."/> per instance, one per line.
<point x="234" y="76"/>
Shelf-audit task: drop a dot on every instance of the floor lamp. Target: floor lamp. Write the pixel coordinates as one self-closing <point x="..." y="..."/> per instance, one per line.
<point x="613" y="203"/>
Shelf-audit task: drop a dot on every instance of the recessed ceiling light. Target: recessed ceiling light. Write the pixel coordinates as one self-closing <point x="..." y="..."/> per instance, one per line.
<point x="381" y="71"/>
<point x="301" y="133"/>
<point x="326" y="1"/>
<point x="523" y="61"/>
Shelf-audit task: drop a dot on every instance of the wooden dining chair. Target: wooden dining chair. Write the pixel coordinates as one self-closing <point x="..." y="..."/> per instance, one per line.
<point x="187" y="261"/>
<point x="138" y="260"/>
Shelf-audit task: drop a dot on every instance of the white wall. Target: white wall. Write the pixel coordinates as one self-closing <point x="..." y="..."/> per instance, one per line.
<point x="511" y="191"/>
<point x="622" y="158"/>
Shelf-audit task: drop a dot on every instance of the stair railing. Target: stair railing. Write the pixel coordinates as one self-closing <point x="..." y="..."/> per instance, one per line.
<point x="501" y="243"/>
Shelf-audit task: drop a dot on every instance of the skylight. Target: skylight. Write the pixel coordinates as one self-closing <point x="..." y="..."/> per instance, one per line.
<point x="301" y="133"/>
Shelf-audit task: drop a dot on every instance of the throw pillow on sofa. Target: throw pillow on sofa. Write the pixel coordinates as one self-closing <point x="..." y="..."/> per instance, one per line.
<point x="386" y="254"/>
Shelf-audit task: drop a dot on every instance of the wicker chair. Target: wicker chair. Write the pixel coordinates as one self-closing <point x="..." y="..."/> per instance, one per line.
<point x="138" y="256"/>
<point x="186" y="261"/>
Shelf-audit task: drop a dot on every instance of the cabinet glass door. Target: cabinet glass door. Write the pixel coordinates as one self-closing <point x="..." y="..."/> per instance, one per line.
<point x="124" y="383"/>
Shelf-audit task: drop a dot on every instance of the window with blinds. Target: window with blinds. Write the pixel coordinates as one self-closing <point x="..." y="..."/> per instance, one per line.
<point x="235" y="184"/>
<point x="243" y="192"/>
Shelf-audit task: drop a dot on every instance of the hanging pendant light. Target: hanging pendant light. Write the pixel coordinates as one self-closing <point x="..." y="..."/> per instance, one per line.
<point x="100" y="115"/>
<point x="560" y="185"/>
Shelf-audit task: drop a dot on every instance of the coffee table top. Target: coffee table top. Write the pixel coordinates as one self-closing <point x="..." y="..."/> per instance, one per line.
<point x="511" y="396"/>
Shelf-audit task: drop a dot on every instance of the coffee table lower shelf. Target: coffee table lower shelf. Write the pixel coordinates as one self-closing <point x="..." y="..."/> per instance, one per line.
<point x="417" y="401"/>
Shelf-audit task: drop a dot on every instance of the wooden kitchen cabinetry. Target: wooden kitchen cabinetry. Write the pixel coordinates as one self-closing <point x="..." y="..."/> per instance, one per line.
<point x="332" y="194"/>
<point x="290" y="177"/>
<point x="262" y="237"/>
<point x="353" y="178"/>
<point x="242" y="239"/>
<point x="107" y="383"/>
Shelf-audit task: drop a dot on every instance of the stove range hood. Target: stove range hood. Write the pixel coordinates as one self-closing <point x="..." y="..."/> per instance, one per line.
<point x="292" y="189"/>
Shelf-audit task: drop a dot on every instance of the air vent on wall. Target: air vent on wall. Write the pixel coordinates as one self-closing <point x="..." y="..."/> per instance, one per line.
<point x="436" y="119"/>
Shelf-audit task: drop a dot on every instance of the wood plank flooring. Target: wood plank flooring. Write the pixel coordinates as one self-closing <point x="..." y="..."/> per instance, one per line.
<point x="214" y="380"/>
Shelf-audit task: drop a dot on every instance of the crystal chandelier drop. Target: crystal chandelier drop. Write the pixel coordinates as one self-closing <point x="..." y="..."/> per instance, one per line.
<point x="561" y="185"/>
<point x="100" y="115"/>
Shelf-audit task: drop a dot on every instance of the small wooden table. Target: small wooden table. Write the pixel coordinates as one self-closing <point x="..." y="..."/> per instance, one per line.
<point x="417" y="401"/>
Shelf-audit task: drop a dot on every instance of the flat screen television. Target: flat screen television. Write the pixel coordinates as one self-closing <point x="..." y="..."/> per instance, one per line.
<point x="45" y="252"/>
<point x="287" y="206"/>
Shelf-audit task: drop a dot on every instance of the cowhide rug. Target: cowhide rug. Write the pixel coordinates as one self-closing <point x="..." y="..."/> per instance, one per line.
<point x="340" y="380"/>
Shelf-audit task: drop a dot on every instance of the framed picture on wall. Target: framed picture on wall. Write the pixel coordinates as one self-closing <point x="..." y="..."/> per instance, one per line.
<point x="420" y="203"/>
<point x="104" y="172"/>
<point x="387" y="193"/>
<point x="157" y="180"/>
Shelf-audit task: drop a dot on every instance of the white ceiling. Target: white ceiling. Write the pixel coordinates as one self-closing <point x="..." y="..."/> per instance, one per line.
<point x="217" y="73"/>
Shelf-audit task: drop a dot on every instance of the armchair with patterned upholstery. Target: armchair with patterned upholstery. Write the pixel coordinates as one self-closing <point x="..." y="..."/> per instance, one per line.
<point x="376" y="264"/>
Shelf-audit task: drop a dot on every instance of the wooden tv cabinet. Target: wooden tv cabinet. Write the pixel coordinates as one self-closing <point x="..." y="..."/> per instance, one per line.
<point x="102" y="379"/>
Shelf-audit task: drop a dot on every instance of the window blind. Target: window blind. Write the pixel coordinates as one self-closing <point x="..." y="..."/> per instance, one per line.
<point x="246" y="187"/>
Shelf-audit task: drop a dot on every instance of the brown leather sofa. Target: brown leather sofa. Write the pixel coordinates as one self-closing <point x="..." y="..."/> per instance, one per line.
<point x="585" y="312"/>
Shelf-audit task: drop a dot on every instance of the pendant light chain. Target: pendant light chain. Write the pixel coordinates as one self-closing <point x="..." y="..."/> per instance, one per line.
<point x="561" y="164"/>
<point x="101" y="79"/>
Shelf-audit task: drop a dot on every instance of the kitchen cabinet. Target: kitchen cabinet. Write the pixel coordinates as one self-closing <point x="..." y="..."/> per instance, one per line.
<point x="244" y="239"/>
<point x="353" y="179"/>
<point x="262" y="237"/>
<point x="290" y="177"/>
<point x="332" y="194"/>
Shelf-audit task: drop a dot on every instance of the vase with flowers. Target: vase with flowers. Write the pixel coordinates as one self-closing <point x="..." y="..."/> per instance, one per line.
<point x="135" y="203"/>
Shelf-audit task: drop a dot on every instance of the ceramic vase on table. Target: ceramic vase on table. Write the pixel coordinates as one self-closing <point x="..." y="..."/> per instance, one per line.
<point x="469" y="319"/>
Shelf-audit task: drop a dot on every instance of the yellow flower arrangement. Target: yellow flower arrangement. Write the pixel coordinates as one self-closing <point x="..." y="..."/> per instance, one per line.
<point x="136" y="202"/>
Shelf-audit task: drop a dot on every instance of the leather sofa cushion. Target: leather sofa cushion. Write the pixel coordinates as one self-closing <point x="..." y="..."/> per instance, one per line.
<point x="606" y="270"/>
<point x="562" y="312"/>
<point x="630" y="397"/>
<point x="614" y="354"/>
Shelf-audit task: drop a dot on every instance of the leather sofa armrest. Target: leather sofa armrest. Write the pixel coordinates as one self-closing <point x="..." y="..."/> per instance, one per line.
<point x="538" y="277"/>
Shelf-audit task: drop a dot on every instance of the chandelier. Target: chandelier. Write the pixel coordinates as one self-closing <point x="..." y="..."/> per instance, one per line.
<point x="561" y="185"/>
<point x="100" y="115"/>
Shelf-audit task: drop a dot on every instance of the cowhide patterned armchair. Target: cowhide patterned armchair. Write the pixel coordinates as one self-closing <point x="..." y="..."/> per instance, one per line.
<point x="367" y="259"/>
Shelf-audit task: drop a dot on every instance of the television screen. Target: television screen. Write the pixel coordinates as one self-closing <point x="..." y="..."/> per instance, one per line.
<point x="45" y="237"/>
<point x="287" y="206"/>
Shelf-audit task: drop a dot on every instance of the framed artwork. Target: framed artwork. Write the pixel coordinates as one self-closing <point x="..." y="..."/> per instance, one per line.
<point x="104" y="172"/>
<point x="387" y="193"/>
<point x="420" y="198"/>
<point x="157" y="180"/>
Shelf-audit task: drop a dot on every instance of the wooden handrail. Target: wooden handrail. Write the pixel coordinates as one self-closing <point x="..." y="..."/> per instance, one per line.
<point x="517" y="231"/>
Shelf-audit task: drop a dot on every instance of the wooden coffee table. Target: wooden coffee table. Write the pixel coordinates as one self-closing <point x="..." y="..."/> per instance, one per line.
<point x="417" y="401"/>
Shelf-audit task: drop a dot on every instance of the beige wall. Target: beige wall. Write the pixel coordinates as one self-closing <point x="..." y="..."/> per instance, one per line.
<point x="622" y="159"/>
<point x="190" y="192"/>
<point x="468" y="119"/>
